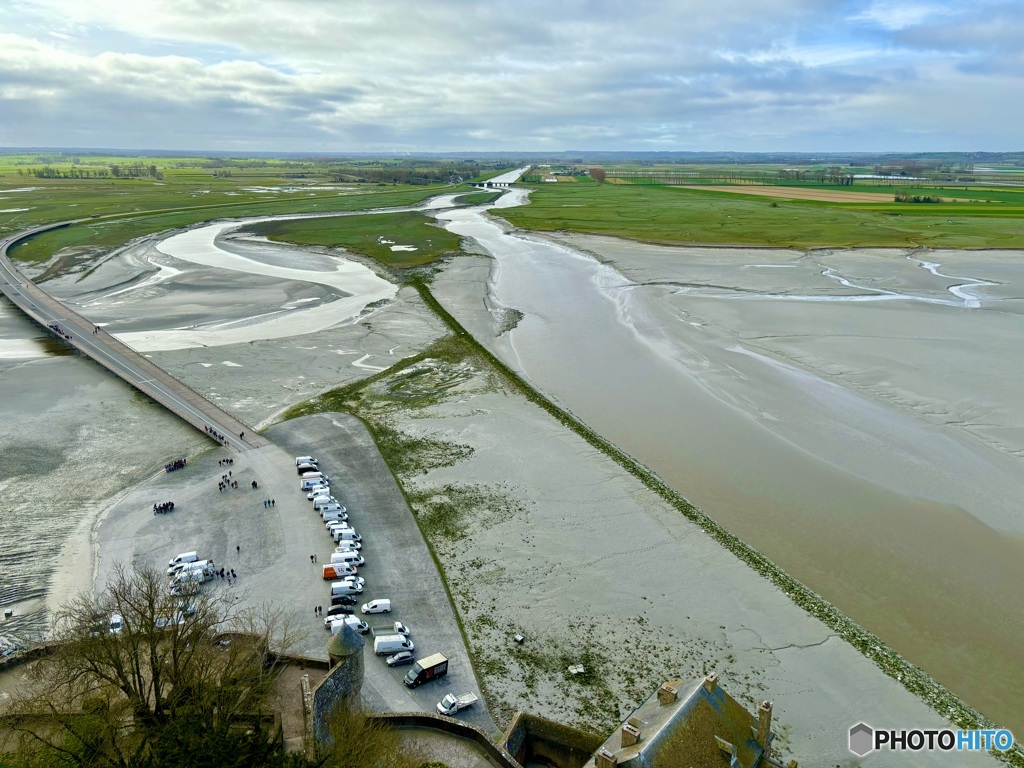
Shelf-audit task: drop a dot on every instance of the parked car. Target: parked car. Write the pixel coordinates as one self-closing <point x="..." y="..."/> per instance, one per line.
<point x="318" y="490"/>
<point x="343" y="600"/>
<point x="300" y="460"/>
<point x="348" y="545"/>
<point x="377" y="606"/>
<point x="400" y="659"/>
<point x="341" y="610"/>
<point x="401" y="629"/>
<point x="353" y="580"/>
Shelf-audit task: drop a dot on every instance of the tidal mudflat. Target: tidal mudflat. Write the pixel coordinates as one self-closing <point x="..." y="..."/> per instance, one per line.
<point x="77" y="439"/>
<point x="543" y="537"/>
<point x="827" y="407"/>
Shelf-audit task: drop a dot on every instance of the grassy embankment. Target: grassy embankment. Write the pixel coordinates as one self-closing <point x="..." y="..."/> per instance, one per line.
<point x="371" y="236"/>
<point x="678" y="215"/>
<point x="403" y="454"/>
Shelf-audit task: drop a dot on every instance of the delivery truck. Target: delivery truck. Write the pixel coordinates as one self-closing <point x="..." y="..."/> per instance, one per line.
<point x="426" y="669"/>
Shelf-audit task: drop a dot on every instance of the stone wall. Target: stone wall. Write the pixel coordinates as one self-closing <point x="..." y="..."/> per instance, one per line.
<point x="344" y="682"/>
<point x="532" y="739"/>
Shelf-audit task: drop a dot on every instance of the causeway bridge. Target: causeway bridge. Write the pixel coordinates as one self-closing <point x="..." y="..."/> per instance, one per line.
<point x="116" y="356"/>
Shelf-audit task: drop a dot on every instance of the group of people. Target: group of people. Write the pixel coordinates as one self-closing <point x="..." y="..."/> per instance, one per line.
<point x="269" y="503"/>
<point x="58" y="330"/>
<point x="214" y="433"/>
<point x="228" y="573"/>
<point x="160" y="509"/>
<point x="318" y="611"/>
<point x="226" y="462"/>
<point x="226" y="482"/>
<point x="176" y="464"/>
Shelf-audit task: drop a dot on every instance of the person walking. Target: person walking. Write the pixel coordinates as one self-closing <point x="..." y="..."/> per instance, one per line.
<point x="273" y="503"/>
<point x="311" y="558"/>
<point x="238" y="548"/>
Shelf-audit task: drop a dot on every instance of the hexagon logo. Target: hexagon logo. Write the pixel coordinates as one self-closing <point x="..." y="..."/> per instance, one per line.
<point x="862" y="739"/>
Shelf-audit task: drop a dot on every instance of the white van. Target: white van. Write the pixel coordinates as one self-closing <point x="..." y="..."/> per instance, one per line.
<point x="355" y="622"/>
<point x="351" y="558"/>
<point x="323" y="501"/>
<point x="345" y="588"/>
<point x="346" y="534"/>
<point x="184" y="557"/>
<point x="309" y="471"/>
<point x="300" y="460"/>
<point x="388" y="644"/>
<point x="333" y="512"/>
<point x="198" y="565"/>
<point x="309" y="484"/>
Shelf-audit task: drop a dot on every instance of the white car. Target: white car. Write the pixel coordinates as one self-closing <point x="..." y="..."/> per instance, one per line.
<point x="357" y="580"/>
<point x="319" y="490"/>
<point x="401" y="629"/>
<point x="349" y="546"/>
<point x="116" y="623"/>
<point x="377" y="606"/>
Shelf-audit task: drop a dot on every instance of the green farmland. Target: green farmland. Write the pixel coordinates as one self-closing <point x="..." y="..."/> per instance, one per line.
<point x="662" y="214"/>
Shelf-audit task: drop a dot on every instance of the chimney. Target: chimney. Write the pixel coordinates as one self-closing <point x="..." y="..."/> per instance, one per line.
<point x="764" y="726"/>
<point x="630" y="735"/>
<point x="711" y="683"/>
<point x="605" y="759"/>
<point x="667" y="693"/>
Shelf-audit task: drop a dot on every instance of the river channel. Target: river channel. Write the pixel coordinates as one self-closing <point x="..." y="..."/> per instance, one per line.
<point x="907" y="524"/>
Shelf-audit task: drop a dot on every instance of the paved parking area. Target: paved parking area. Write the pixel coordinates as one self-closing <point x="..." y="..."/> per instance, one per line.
<point x="274" y="545"/>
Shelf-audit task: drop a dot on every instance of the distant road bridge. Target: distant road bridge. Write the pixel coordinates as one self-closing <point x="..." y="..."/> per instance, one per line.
<point x="116" y="356"/>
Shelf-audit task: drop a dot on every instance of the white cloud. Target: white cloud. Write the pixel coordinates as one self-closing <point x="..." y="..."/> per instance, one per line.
<point x="895" y="15"/>
<point x="326" y="75"/>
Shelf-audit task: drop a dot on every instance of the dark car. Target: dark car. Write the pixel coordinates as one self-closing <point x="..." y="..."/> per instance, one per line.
<point x="343" y="600"/>
<point x="339" y="610"/>
<point x="400" y="658"/>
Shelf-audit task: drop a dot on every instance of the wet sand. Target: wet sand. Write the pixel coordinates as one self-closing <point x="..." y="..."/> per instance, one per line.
<point x="564" y="547"/>
<point x="78" y="439"/>
<point x="825" y="407"/>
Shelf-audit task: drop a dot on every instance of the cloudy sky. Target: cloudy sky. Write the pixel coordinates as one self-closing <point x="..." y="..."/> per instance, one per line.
<point x="441" y="75"/>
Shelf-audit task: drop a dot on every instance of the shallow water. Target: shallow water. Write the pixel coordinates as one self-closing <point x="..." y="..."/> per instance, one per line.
<point x="715" y="371"/>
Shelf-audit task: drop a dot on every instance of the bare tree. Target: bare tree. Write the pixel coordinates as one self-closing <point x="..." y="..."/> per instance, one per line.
<point x="104" y="696"/>
<point x="597" y="174"/>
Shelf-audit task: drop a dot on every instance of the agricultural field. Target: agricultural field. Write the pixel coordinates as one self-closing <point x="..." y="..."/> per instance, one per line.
<point x="665" y="214"/>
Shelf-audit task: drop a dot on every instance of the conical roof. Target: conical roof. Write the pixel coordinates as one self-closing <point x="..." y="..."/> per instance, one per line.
<point x="345" y="642"/>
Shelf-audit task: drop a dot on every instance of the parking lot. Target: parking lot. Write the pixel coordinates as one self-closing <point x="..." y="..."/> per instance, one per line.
<point x="274" y="545"/>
